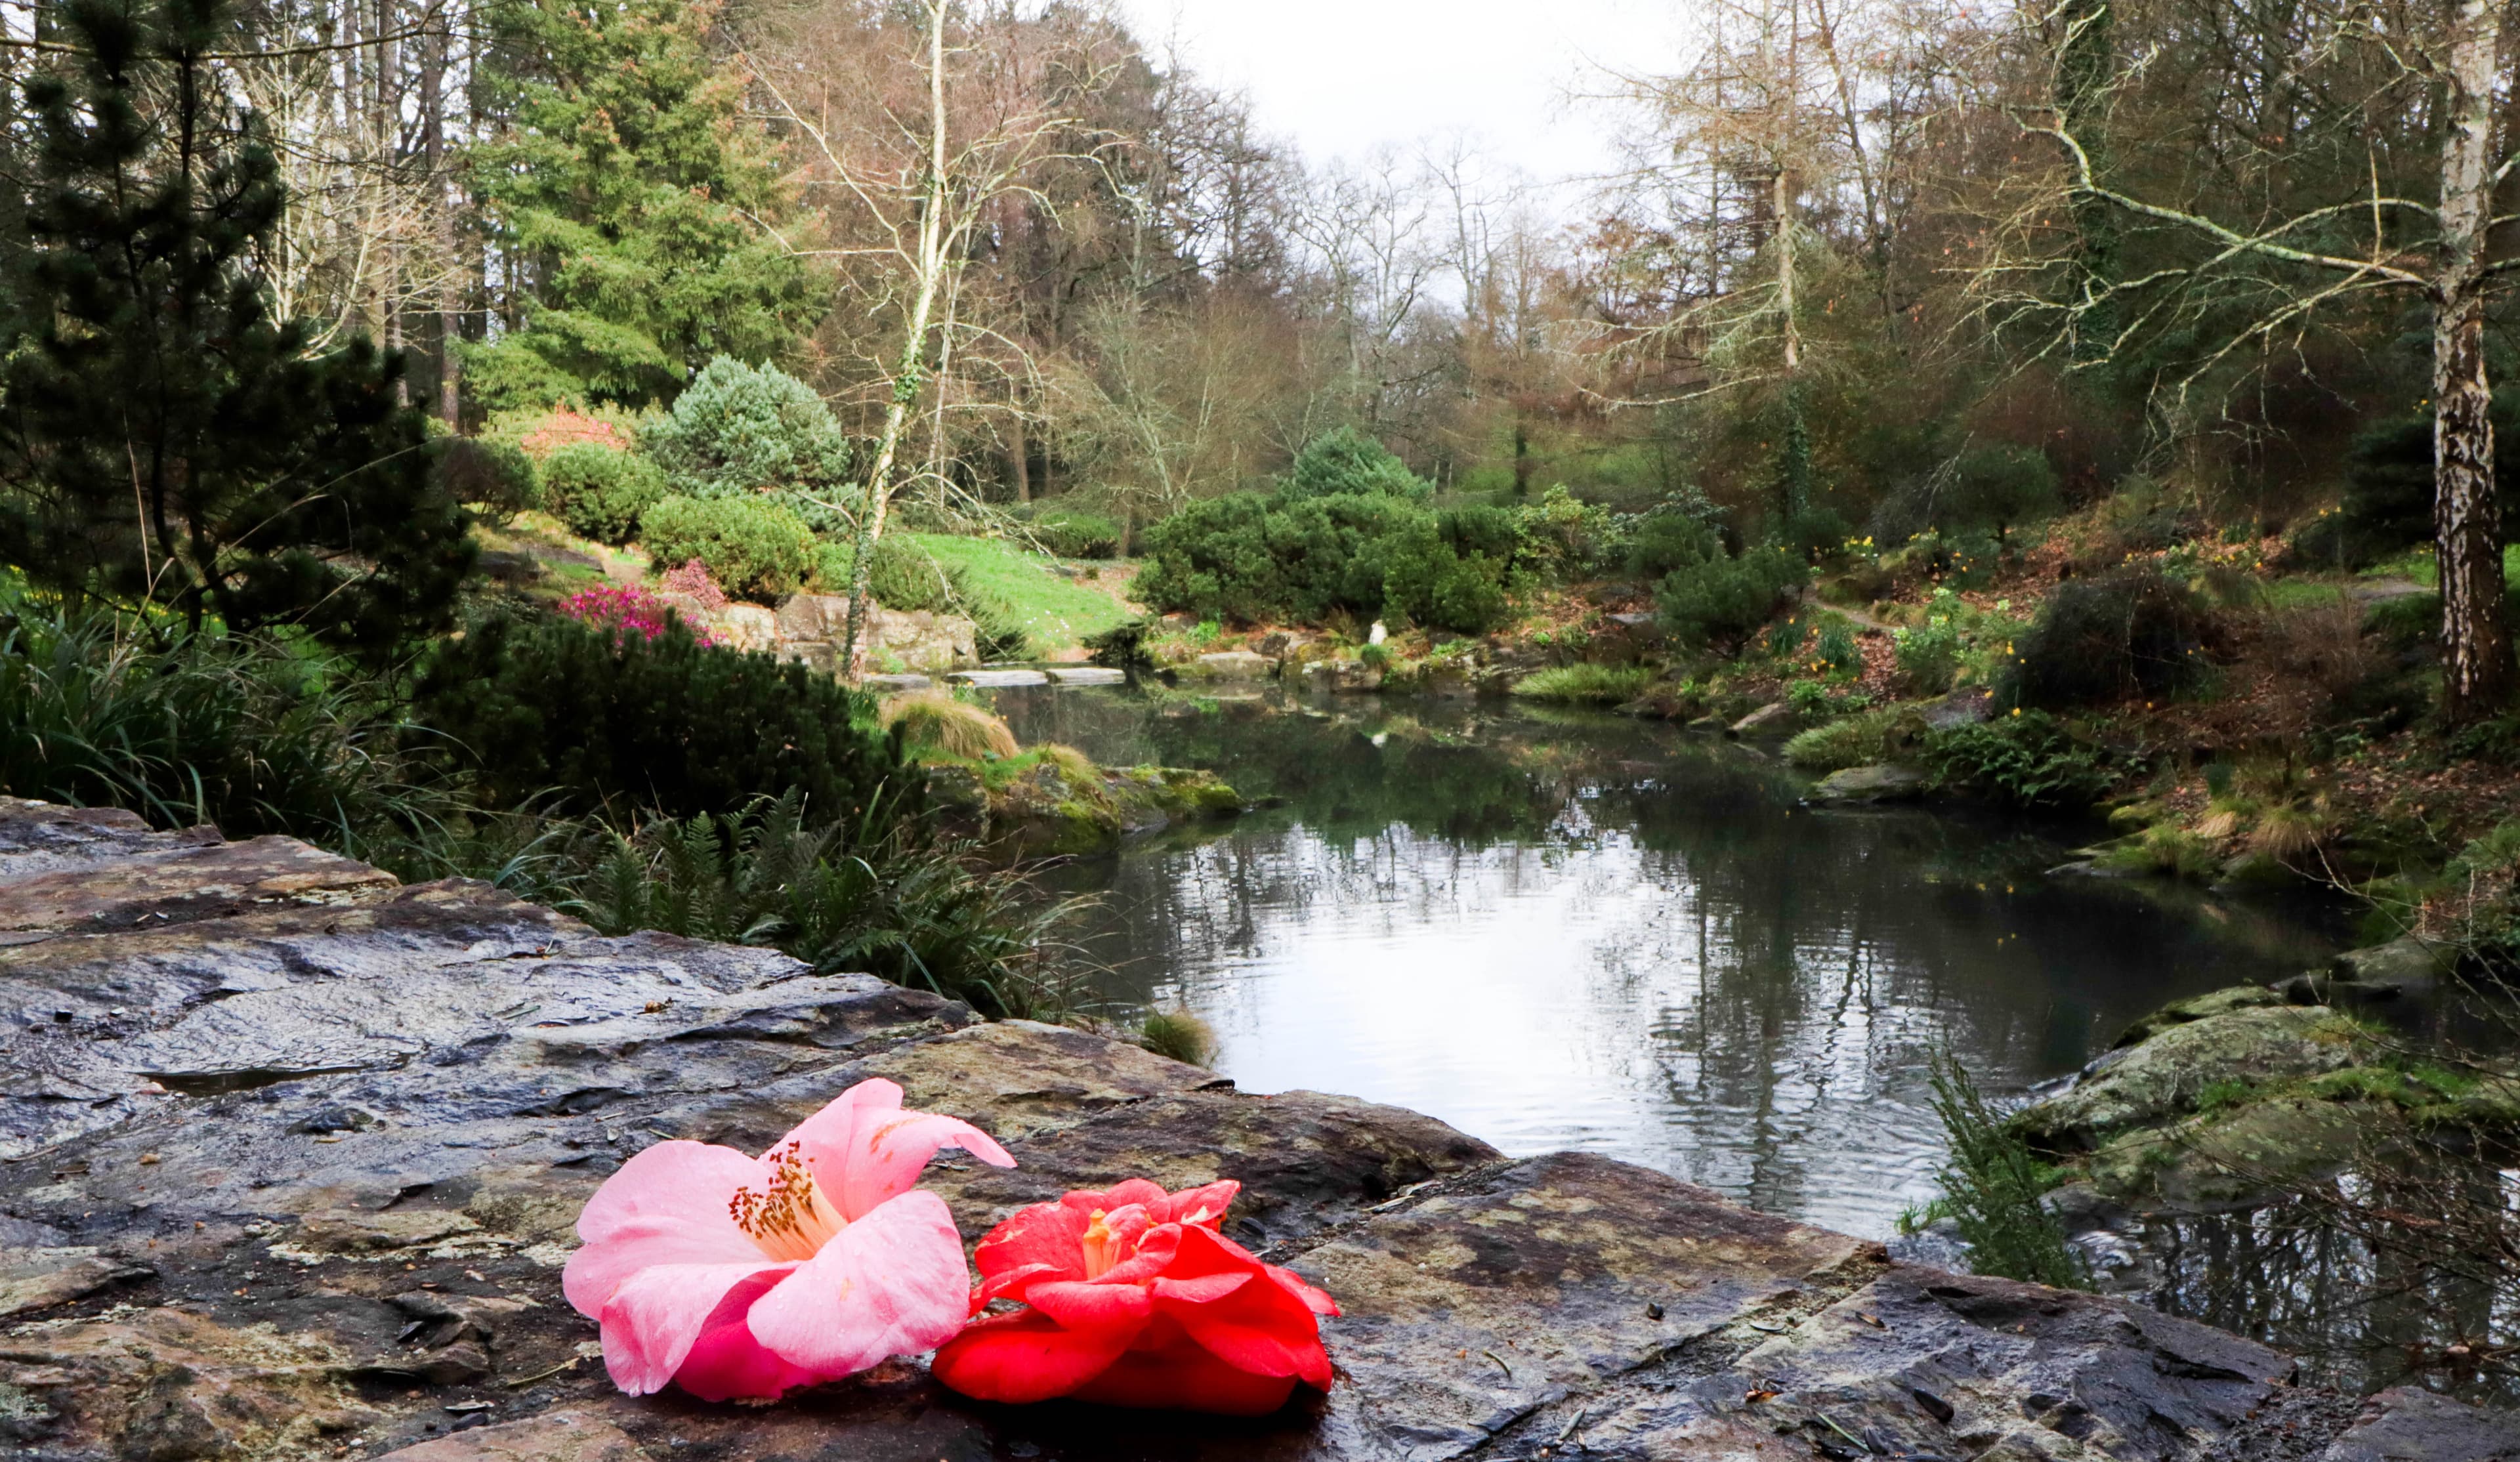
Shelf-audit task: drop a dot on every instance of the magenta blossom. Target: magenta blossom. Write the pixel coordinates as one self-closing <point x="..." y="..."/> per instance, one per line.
<point x="626" y="610"/>
<point x="734" y="1277"/>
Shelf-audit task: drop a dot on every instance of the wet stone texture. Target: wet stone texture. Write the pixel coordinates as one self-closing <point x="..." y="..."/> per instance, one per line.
<point x="290" y="1157"/>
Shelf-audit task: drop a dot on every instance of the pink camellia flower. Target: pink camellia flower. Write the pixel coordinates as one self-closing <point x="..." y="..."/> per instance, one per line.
<point x="734" y="1277"/>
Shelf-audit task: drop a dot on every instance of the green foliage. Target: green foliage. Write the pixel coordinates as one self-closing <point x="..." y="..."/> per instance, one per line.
<point x="752" y="547"/>
<point x="1992" y="1186"/>
<point x="1928" y="655"/>
<point x="1987" y="489"/>
<point x="2129" y="632"/>
<point x="1300" y="560"/>
<point x="740" y="430"/>
<point x="1123" y="646"/>
<point x="599" y="492"/>
<point x="1808" y="697"/>
<point x="1835" y="647"/>
<point x="495" y="478"/>
<point x="1666" y="540"/>
<point x="1347" y="463"/>
<point x="1075" y="533"/>
<point x="1558" y="538"/>
<point x="629" y="181"/>
<point x="865" y="894"/>
<point x="2028" y="759"/>
<point x="555" y="710"/>
<point x="215" y="728"/>
<point x="1719" y="598"/>
<point x="1585" y="685"/>
<point x="1859" y="741"/>
<point x="908" y="577"/>
<point x="152" y="399"/>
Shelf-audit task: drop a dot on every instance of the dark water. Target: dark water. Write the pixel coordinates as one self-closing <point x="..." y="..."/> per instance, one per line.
<point x="1576" y="930"/>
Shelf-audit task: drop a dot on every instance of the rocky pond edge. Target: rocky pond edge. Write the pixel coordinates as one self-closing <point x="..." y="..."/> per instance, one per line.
<point x="289" y="1154"/>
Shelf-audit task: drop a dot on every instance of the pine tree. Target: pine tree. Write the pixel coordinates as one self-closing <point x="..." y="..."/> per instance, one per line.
<point x="165" y="442"/>
<point x="628" y="191"/>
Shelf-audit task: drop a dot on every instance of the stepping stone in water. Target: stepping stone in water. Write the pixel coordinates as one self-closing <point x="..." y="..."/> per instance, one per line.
<point x="1086" y="675"/>
<point x="890" y="683"/>
<point x="990" y="680"/>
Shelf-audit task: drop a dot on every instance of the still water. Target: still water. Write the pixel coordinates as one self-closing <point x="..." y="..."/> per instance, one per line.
<point x="1575" y="930"/>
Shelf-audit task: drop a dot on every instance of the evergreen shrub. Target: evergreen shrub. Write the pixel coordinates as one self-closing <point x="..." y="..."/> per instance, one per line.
<point x="753" y="548"/>
<point x="599" y="492"/>
<point x="575" y="718"/>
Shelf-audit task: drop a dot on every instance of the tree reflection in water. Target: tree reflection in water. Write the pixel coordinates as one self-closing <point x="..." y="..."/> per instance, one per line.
<point x="1579" y="931"/>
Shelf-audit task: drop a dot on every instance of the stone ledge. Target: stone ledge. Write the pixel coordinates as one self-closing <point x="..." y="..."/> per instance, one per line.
<point x="330" y="1224"/>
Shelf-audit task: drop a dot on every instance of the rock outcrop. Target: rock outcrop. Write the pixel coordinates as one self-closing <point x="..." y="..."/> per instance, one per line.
<point x="292" y="1154"/>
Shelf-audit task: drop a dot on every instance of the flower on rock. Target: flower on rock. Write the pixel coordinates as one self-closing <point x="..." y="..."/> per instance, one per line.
<point x="736" y="1276"/>
<point x="1133" y="1298"/>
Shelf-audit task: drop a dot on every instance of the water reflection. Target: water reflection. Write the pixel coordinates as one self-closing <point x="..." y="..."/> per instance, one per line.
<point x="1578" y="931"/>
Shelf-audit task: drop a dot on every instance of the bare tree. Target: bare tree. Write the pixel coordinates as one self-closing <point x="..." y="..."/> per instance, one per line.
<point x="2291" y="263"/>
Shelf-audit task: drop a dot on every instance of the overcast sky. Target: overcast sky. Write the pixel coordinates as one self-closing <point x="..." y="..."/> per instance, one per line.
<point x="1339" y="77"/>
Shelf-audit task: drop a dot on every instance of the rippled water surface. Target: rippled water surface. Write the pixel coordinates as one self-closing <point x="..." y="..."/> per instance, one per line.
<point x="1573" y="930"/>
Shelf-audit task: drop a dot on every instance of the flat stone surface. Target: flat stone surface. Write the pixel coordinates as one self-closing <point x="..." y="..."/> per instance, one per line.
<point x="886" y="683"/>
<point x="1773" y="718"/>
<point x="1086" y="675"/>
<point x="995" y="679"/>
<point x="1232" y="665"/>
<point x="293" y="1172"/>
<point x="1855" y="785"/>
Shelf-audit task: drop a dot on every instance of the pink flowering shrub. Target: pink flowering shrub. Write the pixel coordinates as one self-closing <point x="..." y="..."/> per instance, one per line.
<point x="626" y="610"/>
<point x="693" y="578"/>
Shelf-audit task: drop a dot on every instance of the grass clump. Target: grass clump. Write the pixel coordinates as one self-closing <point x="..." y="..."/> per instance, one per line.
<point x="1585" y="685"/>
<point x="1178" y="1035"/>
<point x="1992" y="1186"/>
<point x="1860" y="740"/>
<point x="870" y="895"/>
<point x="934" y="721"/>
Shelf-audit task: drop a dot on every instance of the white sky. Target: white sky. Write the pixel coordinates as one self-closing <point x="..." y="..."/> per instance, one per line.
<point x="1338" y="77"/>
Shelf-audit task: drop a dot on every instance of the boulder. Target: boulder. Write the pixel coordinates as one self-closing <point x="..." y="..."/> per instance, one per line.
<point x="2198" y="1007"/>
<point x="298" y="1174"/>
<point x="2233" y="1158"/>
<point x="1966" y="706"/>
<point x="747" y="627"/>
<point x="896" y="639"/>
<point x="1865" y="784"/>
<point x="889" y="684"/>
<point x="1232" y="665"/>
<point x="2163" y="1077"/>
<point x="1775" y="719"/>
<point x="1086" y="675"/>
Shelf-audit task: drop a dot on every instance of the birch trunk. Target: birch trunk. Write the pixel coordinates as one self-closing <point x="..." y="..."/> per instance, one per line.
<point x="2477" y="670"/>
<point x="907" y="372"/>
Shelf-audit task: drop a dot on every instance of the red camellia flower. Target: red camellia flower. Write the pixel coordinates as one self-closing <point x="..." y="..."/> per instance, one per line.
<point x="1133" y="1298"/>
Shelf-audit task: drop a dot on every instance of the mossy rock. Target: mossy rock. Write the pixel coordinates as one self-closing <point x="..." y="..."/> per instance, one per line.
<point x="2163" y="1077"/>
<point x="2236" y="1156"/>
<point x="2198" y="1007"/>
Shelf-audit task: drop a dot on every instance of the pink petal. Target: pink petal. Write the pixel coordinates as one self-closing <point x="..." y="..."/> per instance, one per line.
<point x="865" y="1149"/>
<point x="1091" y="1305"/>
<point x="726" y="1363"/>
<point x="656" y="1315"/>
<point x="667" y="1206"/>
<point x="892" y="1283"/>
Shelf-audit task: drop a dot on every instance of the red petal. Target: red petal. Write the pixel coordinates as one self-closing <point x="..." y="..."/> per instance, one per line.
<point x="1025" y="1356"/>
<point x="1212" y="1201"/>
<point x="1316" y="1301"/>
<point x="1205" y="1289"/>
<point x="1045" y="1241"/>
<point x="1186" y="1378"/>
<point x="1080" y="1306"/>
<point x="1135" y="1190"/>
<point x="1263" y="1328"/>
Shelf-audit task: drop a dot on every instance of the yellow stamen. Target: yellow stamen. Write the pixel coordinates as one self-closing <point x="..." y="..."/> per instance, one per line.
<point x="789" y="1219"/>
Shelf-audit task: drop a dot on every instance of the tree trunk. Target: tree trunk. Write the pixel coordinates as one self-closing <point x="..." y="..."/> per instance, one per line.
<point x="1019" y="459"/>
<point x="2477" y="670"/>
<point x="450" y="273"/>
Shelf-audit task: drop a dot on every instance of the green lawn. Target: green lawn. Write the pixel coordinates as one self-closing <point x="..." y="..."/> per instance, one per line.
<point x="1055" y="611"/>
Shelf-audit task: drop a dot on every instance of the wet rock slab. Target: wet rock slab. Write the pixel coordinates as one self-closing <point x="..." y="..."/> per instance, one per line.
<point x="290" y="1157"/>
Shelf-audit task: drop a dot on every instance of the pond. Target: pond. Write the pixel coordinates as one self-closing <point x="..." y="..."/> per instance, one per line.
<point x="1562" y="929"/>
